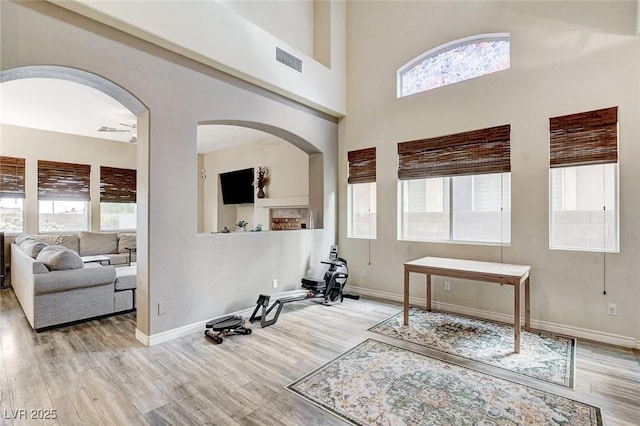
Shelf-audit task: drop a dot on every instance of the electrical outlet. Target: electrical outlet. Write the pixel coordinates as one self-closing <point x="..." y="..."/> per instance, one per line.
<point x="162" y="308"/>
<point x="447" y="286"/>
<point x="612" y="309"/>
<point x="364" y="273"/>
<point x="275" y="283"/>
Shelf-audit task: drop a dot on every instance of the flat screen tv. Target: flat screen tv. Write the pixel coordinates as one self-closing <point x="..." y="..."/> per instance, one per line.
<point x="237" y="186"/>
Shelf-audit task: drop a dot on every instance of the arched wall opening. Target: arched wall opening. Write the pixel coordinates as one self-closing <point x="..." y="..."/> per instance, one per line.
<point x="137" y="108"/>
<point x="293" y="198"/>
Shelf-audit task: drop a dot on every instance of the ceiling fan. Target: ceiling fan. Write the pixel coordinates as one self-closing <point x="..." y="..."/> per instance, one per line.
<point x="133" y="129"/>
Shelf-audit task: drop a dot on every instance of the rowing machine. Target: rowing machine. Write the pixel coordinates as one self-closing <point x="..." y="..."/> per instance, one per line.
<point x="330" y="288"/>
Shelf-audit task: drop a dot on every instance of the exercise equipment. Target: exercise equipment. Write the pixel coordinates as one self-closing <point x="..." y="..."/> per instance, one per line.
<point x="330" y="288"/>
<point x="225" y="326"/>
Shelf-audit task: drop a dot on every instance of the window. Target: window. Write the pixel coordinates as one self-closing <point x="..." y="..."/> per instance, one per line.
<point x="63" y="196"/>
<point x="583" y="181"/>
<point x="454" y="62"/>
<point x="117" y="199"/>
<point x="456" y="188"/>
<point x="63" y="216"/>
<point x="362" y="210"/>
<point x="12" y="172"/>
<point x="118" y="216"/>
<point x="461" y="208"/>
<point x="361" y="194"/>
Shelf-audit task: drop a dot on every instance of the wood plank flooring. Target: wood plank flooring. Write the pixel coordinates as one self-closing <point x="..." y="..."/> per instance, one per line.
<point x="96" y="373"/>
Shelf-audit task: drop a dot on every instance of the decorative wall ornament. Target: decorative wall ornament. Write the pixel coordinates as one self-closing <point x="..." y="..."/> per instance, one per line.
<point x="262" y="179"/>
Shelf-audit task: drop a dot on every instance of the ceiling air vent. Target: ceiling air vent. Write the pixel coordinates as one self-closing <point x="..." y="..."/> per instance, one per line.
<point x="288" y="59"/>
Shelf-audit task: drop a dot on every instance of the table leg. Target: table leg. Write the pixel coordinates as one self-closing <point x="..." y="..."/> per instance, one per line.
<point x="428" y="292"/>
<point x="516" y="314"/>
<point x="527" y="306"/>
<point x="406" y="296"/>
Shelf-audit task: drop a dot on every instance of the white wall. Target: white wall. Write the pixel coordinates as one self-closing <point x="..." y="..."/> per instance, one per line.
<point x="288" y="173"/>
<point x="34" y="145"/>
<point x="566" y="57"/>
<point x="211" y="33"/>
<point x="200" y="276"/>
<point x="289" y="20"/>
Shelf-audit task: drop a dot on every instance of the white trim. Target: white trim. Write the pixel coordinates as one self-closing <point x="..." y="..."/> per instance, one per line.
<point x="582" y="333"/>
<point x="612" y="339"/>
<point x="142" y="338"/>
<point x="165" y="336"/>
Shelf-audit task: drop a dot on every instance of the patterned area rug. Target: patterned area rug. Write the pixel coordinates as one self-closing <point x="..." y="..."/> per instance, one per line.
<point x="379" y="384"/>
<point x="544" y="356"/>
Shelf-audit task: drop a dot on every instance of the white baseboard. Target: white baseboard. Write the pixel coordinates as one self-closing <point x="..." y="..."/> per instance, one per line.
<point x="581" y="333"/>
<point x="165" y="336"/>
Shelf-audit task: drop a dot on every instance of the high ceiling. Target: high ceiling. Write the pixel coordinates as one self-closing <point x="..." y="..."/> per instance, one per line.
<point x="68" y="107"/>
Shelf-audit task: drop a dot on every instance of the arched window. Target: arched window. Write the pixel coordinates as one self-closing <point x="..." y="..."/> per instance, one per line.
<point x="456" y="61"/>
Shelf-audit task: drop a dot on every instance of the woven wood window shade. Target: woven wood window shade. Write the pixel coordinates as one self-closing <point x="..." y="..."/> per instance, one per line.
<point x="362" y="165"/>
<point x="12" y="171"/>
<point x="469" y="153"/>
<point x="117" y="185"/>
<point x="585" y="138"/>
<point x="63" y="181"/>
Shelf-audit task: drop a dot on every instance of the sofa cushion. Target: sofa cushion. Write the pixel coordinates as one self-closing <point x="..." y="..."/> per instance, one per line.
<point x="58" y="258"/>
<point x="33" y="247"/>
<point x="51" y="239"/>
<point x="69" y="241"/>
<point x="126" y="240"/>
<point x="125" y="278"/>
<point x="92" y="243"/>
<point x="72" y="242"/>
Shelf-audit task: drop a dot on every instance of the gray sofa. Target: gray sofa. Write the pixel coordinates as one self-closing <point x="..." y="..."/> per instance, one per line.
<point x="114" y="245"/>
<point x="54" y="286"/>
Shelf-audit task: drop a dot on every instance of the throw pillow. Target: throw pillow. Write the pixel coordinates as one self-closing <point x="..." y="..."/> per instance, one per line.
<point x="58" y="258"/>
<point x="33" y="247"/>
<point x="19" y="239"/>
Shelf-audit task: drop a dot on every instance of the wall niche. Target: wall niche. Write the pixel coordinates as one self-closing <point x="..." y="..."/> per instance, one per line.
<point x="227" y="148"/>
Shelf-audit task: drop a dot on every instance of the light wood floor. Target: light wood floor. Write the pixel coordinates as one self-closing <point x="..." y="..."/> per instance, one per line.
<point x="97" y="373"/>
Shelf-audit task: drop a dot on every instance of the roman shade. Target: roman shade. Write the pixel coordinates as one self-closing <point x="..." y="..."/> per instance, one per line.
<point x="63" y="181"/>
<point x="469" y="153"/>
<point x="117" y="185"/>
<point x="584" y="138"/>
<point x="362" y="165"/>
<point x="12" y="171"/>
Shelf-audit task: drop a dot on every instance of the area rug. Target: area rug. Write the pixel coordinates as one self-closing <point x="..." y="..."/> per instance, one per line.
<point x="380" y="384"/>
<point x="543" y="356"/>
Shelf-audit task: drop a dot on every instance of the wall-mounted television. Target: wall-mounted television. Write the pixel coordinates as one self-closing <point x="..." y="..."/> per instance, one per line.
<point x="237" y="186"/>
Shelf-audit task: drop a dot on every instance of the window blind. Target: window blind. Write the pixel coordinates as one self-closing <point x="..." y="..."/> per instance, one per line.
<point x="12" y="172"/>
<point x="469" y="153"/>
<point x="117" y="185"/>
<point x="584" y="138"/>
<point x="362" y="165"/>
<point x="63" y="181"/>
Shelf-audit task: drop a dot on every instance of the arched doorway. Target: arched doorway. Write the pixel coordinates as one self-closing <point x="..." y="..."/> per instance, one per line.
<point x="141" y="112"/>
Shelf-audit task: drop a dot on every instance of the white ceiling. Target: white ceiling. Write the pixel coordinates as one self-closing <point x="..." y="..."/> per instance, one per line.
<point x="68" y="107"/>
<point x="63" y="106"/>
<point x="212" y="137"/>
